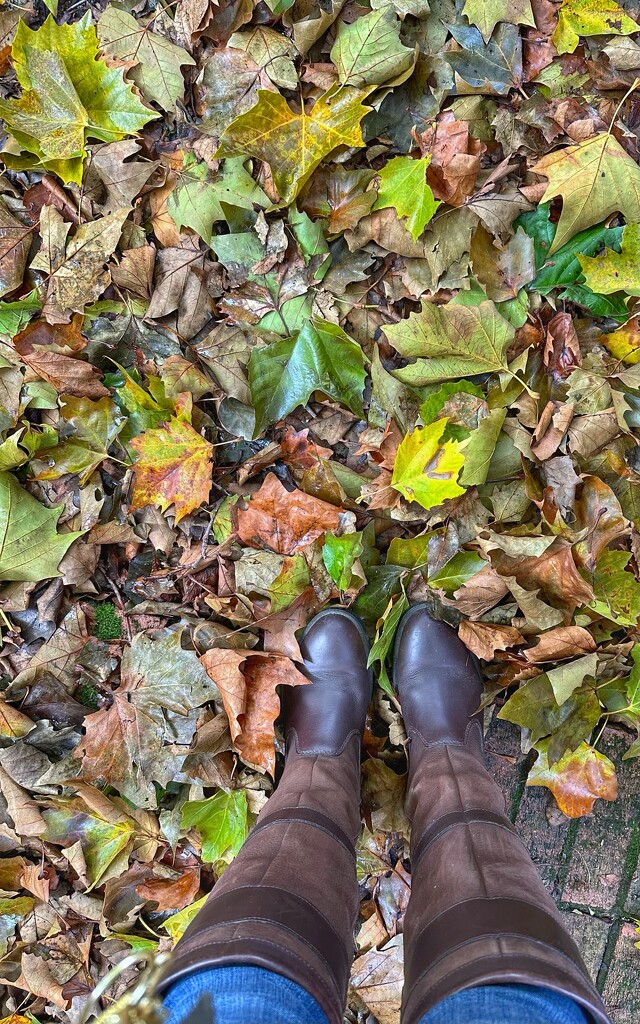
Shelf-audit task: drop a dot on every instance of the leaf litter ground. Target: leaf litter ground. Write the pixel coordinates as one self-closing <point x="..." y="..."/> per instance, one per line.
<point x="299" y="303"/>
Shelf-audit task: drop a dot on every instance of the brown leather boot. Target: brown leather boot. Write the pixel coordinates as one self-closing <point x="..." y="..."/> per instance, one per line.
<point x="479" y="913"/>
<point x="289" y="900"/>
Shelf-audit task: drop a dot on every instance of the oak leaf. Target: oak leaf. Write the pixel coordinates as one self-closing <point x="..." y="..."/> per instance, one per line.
<point x="284" y="521"/>
<point x="173" y="468"/>
<point x="577" y="780"/>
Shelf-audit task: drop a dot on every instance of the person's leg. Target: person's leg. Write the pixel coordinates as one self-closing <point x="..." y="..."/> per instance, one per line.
<point x="289" y="900"/>
<point x="241" y="995"/>
<point x="479" y="913"/>
<point x="506" y="1004"/>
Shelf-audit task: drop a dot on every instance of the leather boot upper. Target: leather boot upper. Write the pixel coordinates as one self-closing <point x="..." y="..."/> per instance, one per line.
<point x="439" y="684"/>
<point x="321" y="718"/>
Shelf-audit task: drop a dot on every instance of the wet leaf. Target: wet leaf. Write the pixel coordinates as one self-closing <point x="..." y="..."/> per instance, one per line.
<point x="31" y="548"/>
<point x="578" y="18"/>
<point x="426" y="470"/>
<point x="222" y="823"/>
<point x="173" y="468"/>
<point x="403" y="185"/>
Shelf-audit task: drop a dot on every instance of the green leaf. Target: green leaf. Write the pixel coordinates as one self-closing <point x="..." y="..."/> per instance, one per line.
<point x="30" y="546"/>
<point x="425" y="470"/>
<point x="633" y="682"/>
<point x="295" y="144"/>
<point x="458" y="570"/>
<point x="615" y="271"/>
<point x="384" y="639"/>
<point x="563" y="268"/>
<point x="599" y="305"/>
<point x="222" y="821"/>
<point x="68" y="96"/>
<point x="383" y="582"/>
<point x="479" y="448"/>
<point x="95" y="427"/>
<point x="14" y="316"/>
<point x="369" y="52"/>
<point x="403" y="186"/>
<point x="196" y="201"/>
<point x="409" y="553"/>
<point x="534" y="707"/>
<point x="270" y="50"/>
<point x="578" y="18"/>
<point x="451" y="341"/>
<point x="433" y="405"/>
<point x="320" y="357"/>
<point x="486" y="14"/>
<point x="339" y="555"/>
<point x="156" y="61"/>
<point x="568" y="676"/>
<point x="494" y="67"/>
<point x="617" y="591"/>
<point x="102" y="841"/>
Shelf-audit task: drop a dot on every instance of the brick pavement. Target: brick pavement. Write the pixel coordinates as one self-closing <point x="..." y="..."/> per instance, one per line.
<point x="590" y="865"/>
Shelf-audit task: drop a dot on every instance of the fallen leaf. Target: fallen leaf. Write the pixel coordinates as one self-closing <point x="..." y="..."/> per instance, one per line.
<point x="426" y="470"/>
<point x="173" y="468"/>
<point x="378" y="978"/>
<point x="369" y="52"/>
<point x="578" y="18"/>
<point x="577" y="780"/>
<point x="284" y="521"/>
<point x="403" y="185"/>
<point x="30" y="546"/>
<point x="613" y="271"/>
<point x="484" y="638"/>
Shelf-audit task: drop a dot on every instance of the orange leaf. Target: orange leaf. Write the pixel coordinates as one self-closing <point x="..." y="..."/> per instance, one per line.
<point x="250" y="698"/>
<point x="171" y="893"/>
<point x="577" y="780"/>
<point x="562" y="642"/>
<point x="284" y="521"/>
<point x="484" y="639"/>
<point x="173" y="468"/>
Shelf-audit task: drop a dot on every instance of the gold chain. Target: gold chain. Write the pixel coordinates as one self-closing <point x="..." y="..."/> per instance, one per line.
<point x="140" y="1004"/>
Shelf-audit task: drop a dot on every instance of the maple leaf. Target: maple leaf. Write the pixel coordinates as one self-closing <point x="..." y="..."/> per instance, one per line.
<point x="68" y="96"/>
<point x="615" y="271"/>
<point x="96" y="425"/>
<point x="30" y="546"/>
<point x="320" y="357"/>
<point x="426" y="470"/>
<point x="173" y="468"/>
<point x="577" y="780"/>
<point x="403" y="185"/>
<point x="589" y="18"/>
<point x="294" y="144"/>
<point x="486" y="14"/>
<point x="154" y="62"/>
<point x="369" y="52"/>
<point x="451" y="341"/>
<point x="284" y="521"/>
<point x="595" y="179"/>
<point x="196" y="199"/>
<point x="76" y="265"/>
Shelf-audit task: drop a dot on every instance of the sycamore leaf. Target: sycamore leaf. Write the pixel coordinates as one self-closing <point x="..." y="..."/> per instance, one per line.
<point x="425" y="470"/>
<point x="451" y="341"/>
<point x="486" y="14"/>
<point x="624" y="343"/>
<point x="385" y="633"/>
<point x="222" y="821"/>
<point x="156" y="61"/>
<point x="284" y="521"/>
<point x="96" y="425"/>
<point x="480" y="446"/>
<point x="173" y="468"/>
<point x="589" y="18"/>
<point x="76" y="266"/>
<point x="30" y="546"/>
<point x="196" y="200"/>
<point x="403" y="186"/>
<point x="339" y="555"/>
<point x="617" y="592"/>
<point x="68" y="96"/>
<point x="595" y="179"/>
<point x="177" y="924"/>
<point x="102" y="841"/>
<point x="577" y="780"/>
<point x="270" y="50"/>
<point x="320" y="357"/>
<point x="615" y="271"/>
<point x="369" y="52"/>
<point x="294" y="144"/>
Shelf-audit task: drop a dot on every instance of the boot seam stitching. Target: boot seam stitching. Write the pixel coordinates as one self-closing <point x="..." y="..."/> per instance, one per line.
<point x="309" y="752"/>
<point x="418" y="856"/>
<point x="303" y="821"/>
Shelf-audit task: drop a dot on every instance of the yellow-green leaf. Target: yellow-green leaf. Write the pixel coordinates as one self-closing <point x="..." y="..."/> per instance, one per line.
<point x="156" y="61"/>
<point x="68" y="96"/>
<point x="426" y="470"/>
<point x="595" y="179"/>
<point x="613" y="271"/>
<point x="173" y="468"/>
<point x="486" y="14"/>
<point x="451" y="341"/>
<point x="221" y="821"/>
<point x="294" y="144"/>
<point x="369" y="51"/>
<point x="30" y="546"/>
<point x="403" y="186"/>
<point x="589" y="18"/>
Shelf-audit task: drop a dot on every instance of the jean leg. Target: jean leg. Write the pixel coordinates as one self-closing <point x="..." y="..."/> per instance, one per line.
<point x="506" y="1004"/>
<point x="241" y="994"/>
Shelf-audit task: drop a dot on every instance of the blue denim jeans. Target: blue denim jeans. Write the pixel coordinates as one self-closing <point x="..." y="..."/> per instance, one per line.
<point x="252" y="994"/>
